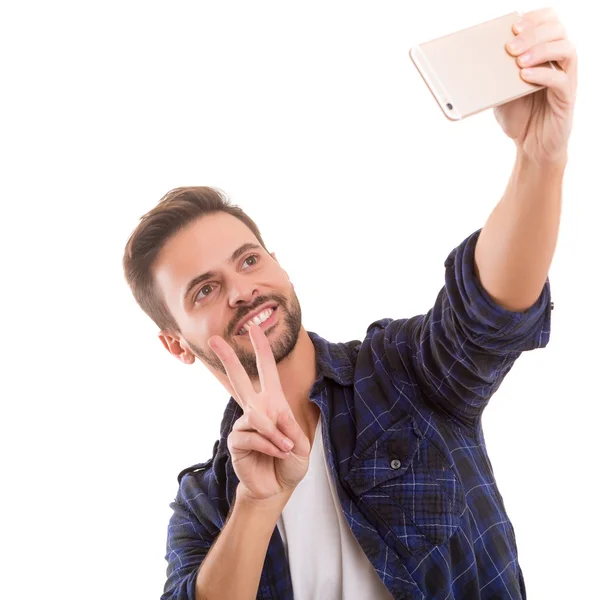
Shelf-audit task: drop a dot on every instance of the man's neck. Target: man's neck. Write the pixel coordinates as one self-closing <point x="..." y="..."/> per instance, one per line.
<point x="298" y="371"/>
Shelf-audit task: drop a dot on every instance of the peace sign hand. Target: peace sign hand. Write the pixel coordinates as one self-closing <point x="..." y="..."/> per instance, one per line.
<point x="265" y="466"/>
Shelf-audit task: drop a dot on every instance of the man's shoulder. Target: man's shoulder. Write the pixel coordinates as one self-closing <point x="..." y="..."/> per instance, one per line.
<point x="341" y="360"/>
<point x="200" y="504"/>
<point x="199" y="468"/>
<point x="389" y="330"/>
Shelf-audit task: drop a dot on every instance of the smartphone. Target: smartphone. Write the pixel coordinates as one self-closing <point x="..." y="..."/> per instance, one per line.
<point x="470" y="71"/>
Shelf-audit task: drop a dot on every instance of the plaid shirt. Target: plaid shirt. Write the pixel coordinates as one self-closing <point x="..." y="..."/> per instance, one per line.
<point x="401" y="414"/>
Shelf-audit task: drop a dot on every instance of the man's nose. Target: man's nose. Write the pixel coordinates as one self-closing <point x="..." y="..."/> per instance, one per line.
<point x="242" y="291"/>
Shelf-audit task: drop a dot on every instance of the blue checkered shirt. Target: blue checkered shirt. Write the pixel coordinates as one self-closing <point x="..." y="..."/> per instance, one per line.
<point x="401" y="414"/>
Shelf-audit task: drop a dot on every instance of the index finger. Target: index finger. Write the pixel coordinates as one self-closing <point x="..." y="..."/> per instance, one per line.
<point x="235" y="371"/>
<point x="265" y="361"/>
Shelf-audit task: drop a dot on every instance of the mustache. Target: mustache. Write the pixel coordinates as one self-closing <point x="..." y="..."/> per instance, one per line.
<point x="246" y="310"/>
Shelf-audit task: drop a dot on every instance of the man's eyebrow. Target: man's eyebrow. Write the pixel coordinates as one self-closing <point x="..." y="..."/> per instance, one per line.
<point x="210" y="274"/>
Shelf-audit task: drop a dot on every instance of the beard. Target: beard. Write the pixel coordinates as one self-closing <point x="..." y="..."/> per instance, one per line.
<point x="289" y="321"/>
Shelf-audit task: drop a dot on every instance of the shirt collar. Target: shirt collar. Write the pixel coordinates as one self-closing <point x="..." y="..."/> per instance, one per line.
<point x="334" y="360"/>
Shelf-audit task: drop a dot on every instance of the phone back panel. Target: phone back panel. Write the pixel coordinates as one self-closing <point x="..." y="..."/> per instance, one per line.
<point x="471" y="70"/>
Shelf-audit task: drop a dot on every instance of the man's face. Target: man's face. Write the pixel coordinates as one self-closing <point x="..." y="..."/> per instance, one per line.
<point x="210" y="294"/>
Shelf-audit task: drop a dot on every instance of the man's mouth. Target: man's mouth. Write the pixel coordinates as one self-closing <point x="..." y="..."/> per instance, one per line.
<point x="264" y="319"/>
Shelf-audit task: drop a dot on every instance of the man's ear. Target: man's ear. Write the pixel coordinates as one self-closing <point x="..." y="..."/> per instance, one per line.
<point x="173" y="345"/>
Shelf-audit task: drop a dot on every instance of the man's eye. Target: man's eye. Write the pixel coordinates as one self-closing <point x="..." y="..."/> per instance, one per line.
<point x="201" y="291"/>
<point x="252" y="256"/>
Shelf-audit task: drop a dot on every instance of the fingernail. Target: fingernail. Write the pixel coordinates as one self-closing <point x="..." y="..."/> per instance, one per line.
<point x="519" y="26"/>
<point x="515" y="46"/>
<point x="287" y="444"/>
<point x="525" y="58"/>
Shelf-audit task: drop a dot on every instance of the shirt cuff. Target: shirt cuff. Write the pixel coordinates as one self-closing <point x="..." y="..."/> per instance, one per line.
<point x="485" y="322"/>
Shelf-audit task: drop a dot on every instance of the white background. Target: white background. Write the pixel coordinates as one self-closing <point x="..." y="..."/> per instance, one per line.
<point x="312" y="118"/>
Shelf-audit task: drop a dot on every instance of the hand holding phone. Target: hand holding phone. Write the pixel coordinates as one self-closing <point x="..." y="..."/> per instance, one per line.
<point x="470" y="71"/>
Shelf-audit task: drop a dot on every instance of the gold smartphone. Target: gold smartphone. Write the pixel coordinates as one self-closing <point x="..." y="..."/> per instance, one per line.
<point x="470" y="71"/>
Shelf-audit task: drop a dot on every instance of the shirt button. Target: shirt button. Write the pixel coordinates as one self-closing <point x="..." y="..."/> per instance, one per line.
<point x="395" y="464"/>
<point x="551" y="305"/>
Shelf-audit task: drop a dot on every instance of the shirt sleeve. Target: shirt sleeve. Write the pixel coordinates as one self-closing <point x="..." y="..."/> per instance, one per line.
<point x="466" y="344"/>
<point x="188" y="543"/>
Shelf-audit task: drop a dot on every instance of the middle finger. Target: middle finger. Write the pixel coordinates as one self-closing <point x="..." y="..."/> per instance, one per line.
<point x="265" y="361"/>
<point x="562" y="52"/>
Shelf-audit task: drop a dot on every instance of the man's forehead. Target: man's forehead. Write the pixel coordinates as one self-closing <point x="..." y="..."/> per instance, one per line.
<point x="204" y="245"/>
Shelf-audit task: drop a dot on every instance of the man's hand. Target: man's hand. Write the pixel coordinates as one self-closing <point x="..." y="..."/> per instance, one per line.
<point x="540" y="123"/>
<point x="266" y="468"/>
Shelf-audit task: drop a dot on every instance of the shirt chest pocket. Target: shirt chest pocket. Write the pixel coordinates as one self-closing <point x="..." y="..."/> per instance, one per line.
<point x="408" y="488"/>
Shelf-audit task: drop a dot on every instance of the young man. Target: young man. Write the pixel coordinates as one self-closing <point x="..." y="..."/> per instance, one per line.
<point x="357" y="470"/>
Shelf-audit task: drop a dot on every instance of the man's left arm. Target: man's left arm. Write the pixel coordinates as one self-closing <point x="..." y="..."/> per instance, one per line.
<point x="496" y="301"/>
<point x="516" y="246"/>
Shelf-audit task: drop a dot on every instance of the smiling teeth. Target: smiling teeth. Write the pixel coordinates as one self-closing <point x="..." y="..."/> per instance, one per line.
<point x="258" y="319"/>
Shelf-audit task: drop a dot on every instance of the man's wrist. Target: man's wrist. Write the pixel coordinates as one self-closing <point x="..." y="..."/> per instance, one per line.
<point x="266" y="505"/>
<point x="556" y="164"/>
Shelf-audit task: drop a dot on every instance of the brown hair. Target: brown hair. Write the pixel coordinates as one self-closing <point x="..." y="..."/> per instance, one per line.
<point x="174" y="211"/>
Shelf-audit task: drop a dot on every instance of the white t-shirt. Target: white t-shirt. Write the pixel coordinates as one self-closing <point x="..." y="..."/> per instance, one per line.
<point x="326" y="561"/>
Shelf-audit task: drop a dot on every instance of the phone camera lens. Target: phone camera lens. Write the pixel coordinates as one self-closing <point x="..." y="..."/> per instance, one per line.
<point x="449" y="106"/>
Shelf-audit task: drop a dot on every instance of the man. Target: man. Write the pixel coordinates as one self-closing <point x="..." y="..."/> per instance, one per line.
<point x="357" y="470"/>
